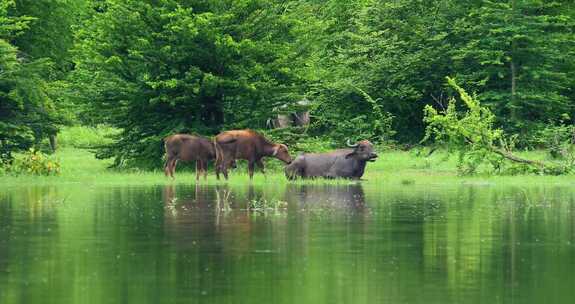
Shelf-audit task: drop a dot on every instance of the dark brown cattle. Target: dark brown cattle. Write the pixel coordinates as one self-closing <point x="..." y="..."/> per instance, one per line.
<point x="188" y="148"/>
<point x="248" y="145"/>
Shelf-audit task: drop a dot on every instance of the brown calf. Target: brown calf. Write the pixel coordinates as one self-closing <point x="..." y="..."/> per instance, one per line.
<point x="188" y="148"/>
<point x="248" y="145"/>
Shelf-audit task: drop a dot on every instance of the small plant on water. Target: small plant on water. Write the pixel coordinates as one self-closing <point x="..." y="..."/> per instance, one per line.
<point x="264" y="204"/>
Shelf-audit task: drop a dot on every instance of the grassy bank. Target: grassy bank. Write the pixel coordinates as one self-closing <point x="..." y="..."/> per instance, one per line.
<point x="393" y="168"/>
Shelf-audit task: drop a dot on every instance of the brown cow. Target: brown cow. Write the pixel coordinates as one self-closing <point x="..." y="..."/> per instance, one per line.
<point x="248" y="145"/>
<point x="188" y="148"/>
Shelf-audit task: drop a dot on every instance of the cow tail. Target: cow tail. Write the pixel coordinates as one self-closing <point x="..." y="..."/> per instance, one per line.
<point x="165" y="145"/>
<point x="219" y="150"/>
<point x="219" y="153"/>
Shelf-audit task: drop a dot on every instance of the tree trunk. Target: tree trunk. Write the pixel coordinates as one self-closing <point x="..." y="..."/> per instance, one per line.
<point x="513" y="157"/>
<point x="513" y="67"/>
<point x="213" y="114"/>
<point x="53" y="142"/>
<point x="517" y="159"/>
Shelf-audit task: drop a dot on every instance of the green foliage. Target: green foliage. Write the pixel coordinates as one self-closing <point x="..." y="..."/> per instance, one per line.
<point x="50" y="32"/>
<point x="84" y="137"/>
<point x="156" y="68"/>
<point x="558" y="139"/>
<point x="33" y="162"/>
<point x="395" y="52"/>
<point x="298" y="140"/>
<point x="370" y="67"/>
<point x="517" y="54"/>
<point x="473" y="136"/>
<point x="11" y="26"/>
<point x="27" y="113"/>
<point x="376" y="126"/>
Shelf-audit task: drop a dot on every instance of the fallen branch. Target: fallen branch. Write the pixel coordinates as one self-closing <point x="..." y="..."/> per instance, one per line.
<point x="473" y="135"/>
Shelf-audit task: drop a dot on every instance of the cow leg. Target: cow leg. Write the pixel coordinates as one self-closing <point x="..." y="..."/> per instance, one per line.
<point x="202" y="168"/>
<point x="170" y="166"/>
<point x="173" y="167"/>
<point x="225" y="166"/>
<point x="222" y="168"/>
<point x="205" y="169"/>
<point x="219" y="164"/>
<point x="260" y="164"/>
<point x="198" y="168"/>
<point x="167" y="166"/>
<point x="251" y="167"/>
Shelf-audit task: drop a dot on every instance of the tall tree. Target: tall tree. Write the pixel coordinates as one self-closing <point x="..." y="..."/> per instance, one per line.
<point x="517" y="54"/>
<point x="27" y="113"/>
<point x="395" y="52"/>
<point x="154" y="68"/>
<point x="51" y="32"/>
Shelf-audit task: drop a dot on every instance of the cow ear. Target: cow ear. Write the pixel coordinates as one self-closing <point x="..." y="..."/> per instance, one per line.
<point x="350" y="155"/>
<point x="276" y="148"/>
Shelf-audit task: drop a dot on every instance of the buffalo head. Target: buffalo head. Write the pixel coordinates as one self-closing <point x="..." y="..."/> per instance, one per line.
<point x="362" y="150"/>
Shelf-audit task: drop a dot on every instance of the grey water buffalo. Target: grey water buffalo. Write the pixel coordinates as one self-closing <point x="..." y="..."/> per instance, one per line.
<point x="343" y="163"/>
<point x="186" y="147"/>
<point x="248" y="145"/>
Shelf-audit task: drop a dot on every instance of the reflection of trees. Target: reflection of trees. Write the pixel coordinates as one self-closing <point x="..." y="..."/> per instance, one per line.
<point x="28" y="235"/>
<point x="484" y="242"/>
<point x="173" y="244"/>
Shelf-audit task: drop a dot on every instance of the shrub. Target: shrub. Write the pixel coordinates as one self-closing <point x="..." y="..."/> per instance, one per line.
<point x="473" y="136"/>
<point x="558" y="139"/>
<point x="33" y="162"/>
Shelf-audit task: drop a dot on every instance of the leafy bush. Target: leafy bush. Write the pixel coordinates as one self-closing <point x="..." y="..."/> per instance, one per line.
<point x="472" y="135"/>
<point x="33" y="162"/>
<point x="558" y="139"/>
<point x="362" y="117"/>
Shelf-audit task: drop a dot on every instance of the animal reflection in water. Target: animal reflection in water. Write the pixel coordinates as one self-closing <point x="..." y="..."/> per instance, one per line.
<point x="209" y="198"/>
<point x="212" y="200"/>
<point x="349" y="197"/>
<point x="195" y="216"/>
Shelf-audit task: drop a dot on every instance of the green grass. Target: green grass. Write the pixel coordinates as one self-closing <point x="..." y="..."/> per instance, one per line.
<point x="393" y="168"/>
<point x="85" y="137"/>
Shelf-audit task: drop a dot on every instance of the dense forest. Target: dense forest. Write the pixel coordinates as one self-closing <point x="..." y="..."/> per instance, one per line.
<point x="368" y="68"/>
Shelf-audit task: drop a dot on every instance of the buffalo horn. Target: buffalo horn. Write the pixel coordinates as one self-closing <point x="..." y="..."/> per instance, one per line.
<point x="350" y="145"/>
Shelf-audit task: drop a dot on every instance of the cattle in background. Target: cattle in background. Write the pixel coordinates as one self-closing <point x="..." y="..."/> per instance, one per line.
<point x="300" y="117"/>
<point x="187" y="148"/>
<point x="248" y="145"/>
<point x="343" y="163"/>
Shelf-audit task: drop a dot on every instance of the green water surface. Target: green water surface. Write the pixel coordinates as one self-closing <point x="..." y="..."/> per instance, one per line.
<point x="305" y="244"/>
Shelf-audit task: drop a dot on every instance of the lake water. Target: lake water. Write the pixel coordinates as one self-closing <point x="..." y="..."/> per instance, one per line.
<point x="317" y="244"/>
